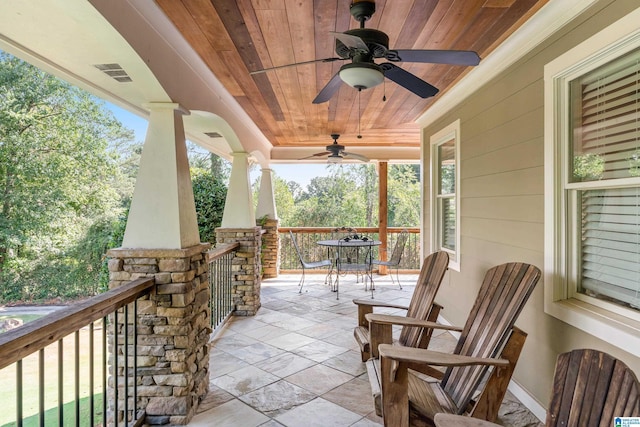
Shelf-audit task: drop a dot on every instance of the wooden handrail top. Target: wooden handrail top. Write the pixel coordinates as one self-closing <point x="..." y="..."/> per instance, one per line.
<point x="18" y="343"/>
<point x="218" y="251"/>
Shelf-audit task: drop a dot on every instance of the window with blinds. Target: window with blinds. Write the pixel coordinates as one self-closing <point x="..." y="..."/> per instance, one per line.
<point x="605" y="118"/>
<point x="445" y="192"/>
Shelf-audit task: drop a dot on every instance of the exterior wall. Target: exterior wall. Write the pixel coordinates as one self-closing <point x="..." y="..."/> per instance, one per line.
<point x="502" y="197"/>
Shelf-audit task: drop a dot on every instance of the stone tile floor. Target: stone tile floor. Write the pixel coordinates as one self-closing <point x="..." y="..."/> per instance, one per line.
<point x="296" y="362"/>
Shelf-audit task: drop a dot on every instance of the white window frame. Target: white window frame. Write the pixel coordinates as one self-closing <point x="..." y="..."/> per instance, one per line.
<point x="449" y="133"/>
<point x="609" y="322"/>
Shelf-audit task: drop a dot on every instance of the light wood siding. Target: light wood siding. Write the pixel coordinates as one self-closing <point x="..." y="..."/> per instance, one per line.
<point x="502" y="196"/>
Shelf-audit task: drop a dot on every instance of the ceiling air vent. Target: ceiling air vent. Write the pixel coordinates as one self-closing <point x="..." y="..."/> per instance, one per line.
<point x="213" y="134"/>
<point x="115" y="71"/>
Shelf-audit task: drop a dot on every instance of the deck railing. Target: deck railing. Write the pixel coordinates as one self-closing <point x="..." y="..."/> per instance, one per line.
<point x="308" y="236"/>
<point x="220" y="282"/>
<point x="60" y="361"/>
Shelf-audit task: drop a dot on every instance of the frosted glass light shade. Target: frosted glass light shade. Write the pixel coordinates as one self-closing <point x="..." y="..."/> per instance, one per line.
<point x="361" y="75"/>
<point x="334" y="158"/>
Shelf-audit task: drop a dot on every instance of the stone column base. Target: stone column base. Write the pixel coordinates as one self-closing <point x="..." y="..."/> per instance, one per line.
<point x="245" y="266"/>
<point x="173" y="331"/>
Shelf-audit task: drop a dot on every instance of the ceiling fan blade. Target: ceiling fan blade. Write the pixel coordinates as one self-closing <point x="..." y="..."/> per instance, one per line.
<point x="329" y="90"/>
<point x="296" y="64"/>
<point x="351" y="41"/>
<point x="316" y="155"/>
<point x="453" y="57"/>
<point x="408" y="80"/>
<point x="355" y="156"/>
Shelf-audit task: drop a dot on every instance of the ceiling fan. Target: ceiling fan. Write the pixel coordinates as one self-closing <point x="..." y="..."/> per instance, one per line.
<point x="335" y="152"/>
<point x="363" y="45"/>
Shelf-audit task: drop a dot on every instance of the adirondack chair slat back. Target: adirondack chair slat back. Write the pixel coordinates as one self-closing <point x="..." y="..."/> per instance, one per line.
<point x="502" y="295"/>
<point x="431" y="274"/>
<point x="591" y="389"/>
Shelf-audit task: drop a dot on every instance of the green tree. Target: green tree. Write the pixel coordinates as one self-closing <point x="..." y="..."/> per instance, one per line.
<point x="209" y="183"/>
<point x="58" y="179"/>
<point x="403" y="195"/>
<point x="346" y="197"/>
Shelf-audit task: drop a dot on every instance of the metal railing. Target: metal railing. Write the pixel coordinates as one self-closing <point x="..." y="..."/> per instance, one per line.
<point x="220" y="261"/>
<point x="308" y="236"/>
<point x="39" y="354"/>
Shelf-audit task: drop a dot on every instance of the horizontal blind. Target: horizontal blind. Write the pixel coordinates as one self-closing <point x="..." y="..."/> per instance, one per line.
<point x="607" y="121"/>
<point x="611" y="244"/>
<point x="448" y="215"/>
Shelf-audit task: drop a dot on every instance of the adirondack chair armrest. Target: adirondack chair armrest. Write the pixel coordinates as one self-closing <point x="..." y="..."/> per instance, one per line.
<point x="389" y="319"/>
<point x="451" y="420"/>
<point x="435" y="358"/>
<point x="366" y="306"/>
<point x="374" y="303"/>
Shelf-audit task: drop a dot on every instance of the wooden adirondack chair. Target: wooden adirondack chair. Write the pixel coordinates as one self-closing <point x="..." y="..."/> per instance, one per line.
<point x="488" y="340"/>
<point x="421" y="307"/>
<point x="422" y="311"/>
<point x="590" y="389"/>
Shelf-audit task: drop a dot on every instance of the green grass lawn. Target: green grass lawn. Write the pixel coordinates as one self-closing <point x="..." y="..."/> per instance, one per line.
<point x="31" y="387"/>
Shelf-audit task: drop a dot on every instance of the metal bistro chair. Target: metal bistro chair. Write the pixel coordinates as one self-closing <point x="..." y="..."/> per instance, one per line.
<point x="396" y="256"/>
<point x="306" y="264"/>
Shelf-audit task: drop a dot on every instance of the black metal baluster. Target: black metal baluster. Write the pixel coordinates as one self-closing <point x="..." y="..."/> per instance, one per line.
<point x="115" y="368"/>
<point x="60" y="382"/>
<point x="91" y="373"/>
<point x="105" y="350"/>
<point x="41" y="388"/>
<point x="77" y="377"/>
<point x="135" y="359"/>
<point x="19" y="393"/>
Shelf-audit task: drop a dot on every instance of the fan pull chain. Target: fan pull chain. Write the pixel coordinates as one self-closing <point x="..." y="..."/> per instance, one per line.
<point x="384" y="91"/>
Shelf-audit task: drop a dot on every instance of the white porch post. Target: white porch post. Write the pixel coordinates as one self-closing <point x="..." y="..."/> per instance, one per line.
<point x="267" y="214"/>
<point x="162" y="242"/>
<point x="238" y="207"/>
<point x="266" y="197"/>
<point x="163" y="213"/>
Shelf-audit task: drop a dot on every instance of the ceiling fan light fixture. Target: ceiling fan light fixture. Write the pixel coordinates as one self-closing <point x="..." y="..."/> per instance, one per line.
<point x="361" y="75"/>
<point x="334" y="158"/>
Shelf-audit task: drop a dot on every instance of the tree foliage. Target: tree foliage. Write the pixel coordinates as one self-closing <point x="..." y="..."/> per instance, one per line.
<point x="349" y="196"/>
<point x="60" y="183"/>
<point x="210" y="192"/>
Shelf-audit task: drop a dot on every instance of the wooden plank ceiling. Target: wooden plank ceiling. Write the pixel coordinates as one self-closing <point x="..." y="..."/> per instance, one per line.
<point x="237" y="37"/>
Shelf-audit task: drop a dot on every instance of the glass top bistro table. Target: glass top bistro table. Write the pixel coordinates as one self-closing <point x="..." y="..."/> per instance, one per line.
<point x="350" y="256"/>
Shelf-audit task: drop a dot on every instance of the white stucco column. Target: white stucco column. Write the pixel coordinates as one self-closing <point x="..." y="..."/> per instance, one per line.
<point x="238" y="207"/>
<point x="266" y="197"/>
<point x="163" y="212"/>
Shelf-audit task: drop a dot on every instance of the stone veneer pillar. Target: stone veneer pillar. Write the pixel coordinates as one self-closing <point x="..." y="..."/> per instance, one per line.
<point x="174" y="326"/>
<point x="270" y="249"/>
<point x="245" y="267"/>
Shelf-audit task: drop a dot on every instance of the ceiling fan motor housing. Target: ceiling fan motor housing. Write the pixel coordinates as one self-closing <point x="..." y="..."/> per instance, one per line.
<point x="376" y="41"/>
<point x="335" y="148"/>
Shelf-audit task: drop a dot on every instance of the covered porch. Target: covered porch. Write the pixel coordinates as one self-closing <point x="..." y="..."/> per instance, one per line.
<point x="502" y="115"/>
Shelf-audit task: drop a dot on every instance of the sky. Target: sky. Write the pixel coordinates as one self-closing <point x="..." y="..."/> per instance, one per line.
<point x="302" y="174"/>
